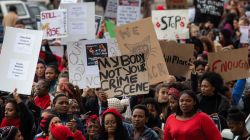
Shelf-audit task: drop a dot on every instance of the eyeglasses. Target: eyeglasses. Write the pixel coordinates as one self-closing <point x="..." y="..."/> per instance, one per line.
<point x="110" y="123"/>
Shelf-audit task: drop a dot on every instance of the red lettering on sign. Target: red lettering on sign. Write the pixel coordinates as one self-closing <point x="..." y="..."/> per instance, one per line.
<point x="226" y="66"/>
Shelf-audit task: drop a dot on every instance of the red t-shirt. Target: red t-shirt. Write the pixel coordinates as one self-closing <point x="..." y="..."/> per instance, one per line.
<point x="42" y="102"/>
<point x="199" y="127"/>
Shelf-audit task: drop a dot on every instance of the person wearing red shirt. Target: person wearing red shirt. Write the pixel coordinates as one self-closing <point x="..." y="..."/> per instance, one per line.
<point x="188" y="123"/>
<point x="42" y="99"/>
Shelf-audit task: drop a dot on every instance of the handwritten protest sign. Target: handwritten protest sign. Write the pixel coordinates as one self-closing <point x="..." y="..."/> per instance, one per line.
<point x="245" y="34"/>
<point x="208" y="10"/>
<point x="54" y="23"/>
<point x="83" y="56"/>
<point x="124" y="75"/>
<point x="81" y="21"/>
<point x="177" y="4"/>
<point x="18" y="59"/>
<point x="98" y="22"/>
<point x="128" y="11"/>
<point x="111" y="9"/>
<point x="178" y="57"/>
<point x="140" y="37"/>
<point x="232" y="64"/>
<point x="171" y="24"/>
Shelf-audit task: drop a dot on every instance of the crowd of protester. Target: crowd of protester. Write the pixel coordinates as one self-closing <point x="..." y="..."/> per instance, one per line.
<point x="180" y="108"/>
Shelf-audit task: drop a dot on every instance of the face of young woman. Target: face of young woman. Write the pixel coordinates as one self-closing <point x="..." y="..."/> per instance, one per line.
<point x="200" y="70"/>
<point x="173" y="103"/>
<point x="206" y="88"/>
<point x="186" y="103"/>
<point x="50" y="74"/>
<point x="18" y="136"/>
<point x="40" y="70"/>
<point x="110" y="123"/>
<point x="163" y="95"/>
<point x="62" y="105"/>
<point x="10" y="110"/>
<point x="93" y="128"/>
<point x="55" y="121"/>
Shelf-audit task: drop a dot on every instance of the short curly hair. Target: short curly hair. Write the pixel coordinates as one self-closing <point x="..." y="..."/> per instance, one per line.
<point x="214" y="79"/>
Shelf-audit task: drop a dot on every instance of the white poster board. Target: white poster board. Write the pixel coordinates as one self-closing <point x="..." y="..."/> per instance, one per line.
<point x="82" y="60"/>
<point x="128" y="11"/>
<point x="18" y="59"/>
<point x="81" y="21"/>
<point x="70" y="1"/>
<point x="54" y="23"/>
<point x="171" y="24"/>
<point x="111" y="9"/>
<point x="245" y="34"/>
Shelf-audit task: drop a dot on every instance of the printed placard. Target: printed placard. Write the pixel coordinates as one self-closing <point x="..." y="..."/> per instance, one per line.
<point x="81" y="21"/>
<point x="54" y="23"/>
<point x="208" y="10"/>
<point x="18" y="59"/>
<point x="98" y="23"/>
<point x="232" y="64"/>
<point x="83" y="58"/>
<point x="245" y="34"/>
<point x="171" y="24"/>
<point x="128" y="11"/>
<point x="111" y="9"/>
<point x="177" y="4"/>
<point x="178" y="57"/>
<point x="140" y="37"/>
<point x="124" y="75"/>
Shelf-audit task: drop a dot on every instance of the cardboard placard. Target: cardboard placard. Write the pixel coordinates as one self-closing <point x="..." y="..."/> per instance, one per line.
<point x="231" y="65"/>
<point x="54" y="23"/>
<point x="18" y="59"/>
<point x="124" y="75"/>
<point x="245" y="34"/>
<point x="208" y="10"/>
<point x="81" y="21"/>
<point x="176" y="4"/>
<point x="140" y="37"/>
<point x="128" y="11"/>
<point x="111" y="9"/>
<point x="83" y="56"/>
<point x="178" y="57"/>
<point x="171" y="24"/>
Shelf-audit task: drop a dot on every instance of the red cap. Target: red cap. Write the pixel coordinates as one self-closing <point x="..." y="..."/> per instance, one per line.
<point x="60" y="132"/>
<point x="113" y="111"/>
<point x="160" y="7"/>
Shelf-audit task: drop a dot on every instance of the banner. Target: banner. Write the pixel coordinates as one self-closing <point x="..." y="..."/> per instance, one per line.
<point x="171" y="24"/>
<point x="54" y="23"/>
<point x="140" y="37"/>
<point x="231" y="64"/>
<point x="111" y="9"/>
<point x="178" y="57"/>
<point x="177" y="4"/>
<point x="81" y="21"/>
<point x="208" y="10"/>
<point x="128" y="11"/>
<point x="83" y="58"/>
<point x="98" y="23"/>
<point x="124" y="75"/>
<point x="18" y="59"/>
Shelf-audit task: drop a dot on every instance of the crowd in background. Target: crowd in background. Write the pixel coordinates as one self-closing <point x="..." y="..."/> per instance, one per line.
<point x="180" y="108"/>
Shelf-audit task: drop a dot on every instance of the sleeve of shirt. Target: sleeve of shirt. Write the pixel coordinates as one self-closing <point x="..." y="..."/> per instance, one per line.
<point x="167" y="135"/>
<point x="209" y="128"/>
<point x="238" y="91"/>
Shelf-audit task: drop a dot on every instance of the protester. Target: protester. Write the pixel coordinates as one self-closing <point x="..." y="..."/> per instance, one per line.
<point x="138" y="129"/>
<point x="51" y="74"/>
<point x="93" y="127"/>
<point x="42" y="99"/>
<point x="236" y="122"/>
<point x="112" y="127"/>
<point x="11" y="18"/>
<point x="40" y="70"/>
<point x="10" y="133"/>
<point x="188" y="122"/>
